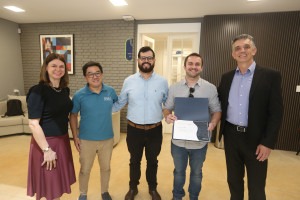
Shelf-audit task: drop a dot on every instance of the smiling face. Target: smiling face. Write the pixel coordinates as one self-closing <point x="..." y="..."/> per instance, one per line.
<point x="243" y="51"/>
<point x="193" y="67"/>
<point x="56" y="69"/>
<point x="94" y="77"/>
<point x="146" y="62"/>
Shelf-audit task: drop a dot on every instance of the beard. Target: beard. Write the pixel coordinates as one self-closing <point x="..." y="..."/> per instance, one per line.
<point x="146" y="70"/>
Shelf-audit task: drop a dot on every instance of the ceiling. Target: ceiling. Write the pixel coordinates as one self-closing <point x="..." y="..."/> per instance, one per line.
<point x="38" y="11"/>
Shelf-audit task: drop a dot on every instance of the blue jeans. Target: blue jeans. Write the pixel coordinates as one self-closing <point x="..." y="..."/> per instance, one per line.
<point x="181" y="156"/>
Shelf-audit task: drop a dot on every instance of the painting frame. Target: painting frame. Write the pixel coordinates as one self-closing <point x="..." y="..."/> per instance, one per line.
<point x="61" y="44"/>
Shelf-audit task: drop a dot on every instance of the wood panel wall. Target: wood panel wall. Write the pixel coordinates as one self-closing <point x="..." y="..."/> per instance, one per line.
<point x="277" y="37"/>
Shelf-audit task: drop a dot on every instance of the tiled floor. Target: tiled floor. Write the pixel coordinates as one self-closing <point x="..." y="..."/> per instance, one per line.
<point x="283" y="177"/>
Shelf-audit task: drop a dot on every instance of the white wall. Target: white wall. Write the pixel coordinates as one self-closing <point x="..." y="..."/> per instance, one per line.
<point x="11" y="71"/>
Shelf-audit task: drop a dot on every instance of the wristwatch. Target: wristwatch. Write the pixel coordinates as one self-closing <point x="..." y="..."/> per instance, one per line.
<point x="46" y="149"/>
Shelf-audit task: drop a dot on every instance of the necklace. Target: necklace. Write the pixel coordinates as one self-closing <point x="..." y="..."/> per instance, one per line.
<point x="56" y="90"/>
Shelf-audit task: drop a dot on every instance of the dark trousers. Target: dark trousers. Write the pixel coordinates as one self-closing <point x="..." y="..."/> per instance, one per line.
<point x="239" y="154"/>
<point x="137" y="140"/>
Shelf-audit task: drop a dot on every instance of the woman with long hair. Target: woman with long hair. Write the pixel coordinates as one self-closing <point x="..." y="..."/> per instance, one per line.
<point x="51" y="169"/>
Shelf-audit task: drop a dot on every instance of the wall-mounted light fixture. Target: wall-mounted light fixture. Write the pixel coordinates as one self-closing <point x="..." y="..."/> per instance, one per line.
<point x="128" y="17"/>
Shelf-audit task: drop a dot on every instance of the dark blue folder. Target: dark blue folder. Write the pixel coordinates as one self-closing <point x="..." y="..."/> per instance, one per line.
<point x="196" y="110"/>
<point x="193" y="109"/>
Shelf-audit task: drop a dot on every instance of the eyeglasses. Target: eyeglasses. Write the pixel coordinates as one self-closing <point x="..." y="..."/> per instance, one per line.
<point x="192" y="90"/>
<point x="92" y="75"/>
<point x="150" y="58"/>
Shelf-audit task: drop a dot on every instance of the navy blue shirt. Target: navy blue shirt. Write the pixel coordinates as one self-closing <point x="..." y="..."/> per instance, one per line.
<point x="51" y="107"/>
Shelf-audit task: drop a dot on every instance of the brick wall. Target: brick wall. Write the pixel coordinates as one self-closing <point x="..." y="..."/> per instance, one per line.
<point x="101" y="41"/>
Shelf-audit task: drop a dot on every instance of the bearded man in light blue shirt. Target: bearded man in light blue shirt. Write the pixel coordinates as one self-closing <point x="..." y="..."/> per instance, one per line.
<point x="144" y="92"/>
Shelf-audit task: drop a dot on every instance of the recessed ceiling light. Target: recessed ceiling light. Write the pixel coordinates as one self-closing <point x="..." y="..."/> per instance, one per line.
<point x="253" y="0"/>
<point x="119" y="2"/>
<point x="14" y="8"/>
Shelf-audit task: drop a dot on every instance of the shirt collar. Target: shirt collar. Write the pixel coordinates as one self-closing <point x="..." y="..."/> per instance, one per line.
<point x="87" y="89"/>
<point x="250" y="69"/>
<point x="183" y="82"/>
<point x="140" y="75"/>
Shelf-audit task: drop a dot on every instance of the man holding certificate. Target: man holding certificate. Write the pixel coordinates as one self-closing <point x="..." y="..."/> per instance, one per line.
<point x="196" y="97"/>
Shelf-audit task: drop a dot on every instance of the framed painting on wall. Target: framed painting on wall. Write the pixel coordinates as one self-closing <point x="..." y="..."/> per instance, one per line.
<point x="60" y="44"/>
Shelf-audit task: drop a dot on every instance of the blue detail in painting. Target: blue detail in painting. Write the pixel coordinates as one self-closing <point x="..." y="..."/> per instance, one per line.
<point x="128" y="49"/>
<point x="54" y="41"/>
<point x="68" y="58"/>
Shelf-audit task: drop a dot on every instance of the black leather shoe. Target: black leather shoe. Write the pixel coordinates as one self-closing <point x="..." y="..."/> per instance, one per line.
<point x="130" y="194"/>
<point x="155" y="195"/>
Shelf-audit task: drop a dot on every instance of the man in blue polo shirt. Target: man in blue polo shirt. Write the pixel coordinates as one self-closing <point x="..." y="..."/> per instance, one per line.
<point x="95" y="135"/>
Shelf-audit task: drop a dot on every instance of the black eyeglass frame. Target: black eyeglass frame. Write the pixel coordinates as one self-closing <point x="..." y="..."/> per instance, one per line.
<point x="149" y="58"/>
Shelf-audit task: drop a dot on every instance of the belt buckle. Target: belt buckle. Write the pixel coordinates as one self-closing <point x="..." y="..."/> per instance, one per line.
<point x="241" y="129"/>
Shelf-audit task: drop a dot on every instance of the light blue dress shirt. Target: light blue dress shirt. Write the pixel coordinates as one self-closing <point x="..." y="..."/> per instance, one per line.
<point x="237" y="112"/>
<point x="144" y="97"/>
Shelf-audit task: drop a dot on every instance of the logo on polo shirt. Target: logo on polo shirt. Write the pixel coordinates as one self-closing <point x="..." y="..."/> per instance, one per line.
<point x="107" y="98"/>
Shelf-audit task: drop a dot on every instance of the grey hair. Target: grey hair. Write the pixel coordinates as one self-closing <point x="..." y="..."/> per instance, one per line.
<point x="243" y="37"/>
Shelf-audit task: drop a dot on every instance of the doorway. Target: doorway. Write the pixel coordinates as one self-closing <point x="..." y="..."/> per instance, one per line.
<point x="171" y="43"/>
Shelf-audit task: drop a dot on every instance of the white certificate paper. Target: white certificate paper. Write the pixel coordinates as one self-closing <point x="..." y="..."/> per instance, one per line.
<point x="191" y="130"/>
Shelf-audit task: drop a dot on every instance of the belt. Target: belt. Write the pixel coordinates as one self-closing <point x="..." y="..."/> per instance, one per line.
<point x="144" y="126"/>
<point x="242" y="129"/>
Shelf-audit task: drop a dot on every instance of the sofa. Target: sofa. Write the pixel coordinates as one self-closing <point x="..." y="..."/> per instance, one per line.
<point x="19" y="124"/>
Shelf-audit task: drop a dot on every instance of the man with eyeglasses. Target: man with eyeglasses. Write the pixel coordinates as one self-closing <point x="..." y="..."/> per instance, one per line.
<point x="95" y="135"/>
<point x="192" y="152"/>
<point x="144" y="92"/>
<point x="252" y="108"/>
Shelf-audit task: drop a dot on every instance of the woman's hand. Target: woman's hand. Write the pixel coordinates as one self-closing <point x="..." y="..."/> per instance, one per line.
<point x="50" y="159"/>
<point x="77" y="143"/>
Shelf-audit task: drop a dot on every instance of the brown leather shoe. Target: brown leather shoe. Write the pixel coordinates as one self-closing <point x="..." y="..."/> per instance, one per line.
<point x="155" y="195"/>
<point x="130" y="194"/>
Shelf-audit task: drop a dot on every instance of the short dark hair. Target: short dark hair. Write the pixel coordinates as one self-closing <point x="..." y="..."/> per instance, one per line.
<point x="193" y="54"/>
<point x="44" y="76"/>
<point x="90" y="64"/>
<point x="243" y="37"/>
<point x="145" y="49"/>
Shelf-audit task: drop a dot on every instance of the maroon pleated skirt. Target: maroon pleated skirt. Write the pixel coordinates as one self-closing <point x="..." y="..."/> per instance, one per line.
<point x="53" y="183"/>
